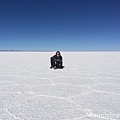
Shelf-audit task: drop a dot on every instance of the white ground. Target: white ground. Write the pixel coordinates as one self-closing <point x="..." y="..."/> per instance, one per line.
<point x="88" y="88"/>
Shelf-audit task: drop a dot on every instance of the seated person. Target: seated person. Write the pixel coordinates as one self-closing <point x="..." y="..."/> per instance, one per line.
<point x="56" y="61"/>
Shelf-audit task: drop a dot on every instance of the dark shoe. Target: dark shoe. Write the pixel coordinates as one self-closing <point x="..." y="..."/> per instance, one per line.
<point x="61" y="67"/>
<point x="51" y="67"/>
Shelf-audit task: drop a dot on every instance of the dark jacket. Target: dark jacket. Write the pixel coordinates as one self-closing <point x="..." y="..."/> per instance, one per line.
<point x="57" y="59"/>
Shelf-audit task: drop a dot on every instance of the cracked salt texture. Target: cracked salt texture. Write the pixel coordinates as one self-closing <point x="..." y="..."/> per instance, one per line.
<point x="88" y="88"/>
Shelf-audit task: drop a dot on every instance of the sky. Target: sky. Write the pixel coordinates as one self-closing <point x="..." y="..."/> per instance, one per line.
<point x="65" y="25"/>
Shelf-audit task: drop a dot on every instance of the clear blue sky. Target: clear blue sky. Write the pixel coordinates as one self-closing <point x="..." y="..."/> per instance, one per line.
<point x="82" y="25"/>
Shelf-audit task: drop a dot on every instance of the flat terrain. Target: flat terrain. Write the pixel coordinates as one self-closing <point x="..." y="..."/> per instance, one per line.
<point x="88" y="88"/>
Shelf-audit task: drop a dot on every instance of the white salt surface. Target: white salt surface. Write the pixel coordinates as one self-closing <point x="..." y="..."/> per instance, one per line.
<point x="88" y="88"/>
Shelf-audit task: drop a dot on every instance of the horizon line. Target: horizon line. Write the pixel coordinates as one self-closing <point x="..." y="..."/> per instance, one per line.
<point x="60" y="50"/>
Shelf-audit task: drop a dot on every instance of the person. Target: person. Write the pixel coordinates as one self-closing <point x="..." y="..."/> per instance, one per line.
<point x="56" y="61"/>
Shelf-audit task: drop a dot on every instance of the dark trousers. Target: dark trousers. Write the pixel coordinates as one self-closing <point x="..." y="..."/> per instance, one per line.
<point x="58" y="63"/>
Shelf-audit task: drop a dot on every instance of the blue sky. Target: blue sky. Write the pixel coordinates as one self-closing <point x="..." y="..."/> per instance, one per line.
<point x="75" y="25"/>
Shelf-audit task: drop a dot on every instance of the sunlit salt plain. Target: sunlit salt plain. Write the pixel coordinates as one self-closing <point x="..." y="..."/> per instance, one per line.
<point x="88" y="88"/>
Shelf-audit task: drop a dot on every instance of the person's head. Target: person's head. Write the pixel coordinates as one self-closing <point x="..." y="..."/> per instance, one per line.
<point x="58" y="54"/>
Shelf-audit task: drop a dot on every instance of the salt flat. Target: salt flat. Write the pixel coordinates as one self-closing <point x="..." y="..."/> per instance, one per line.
<point x="88" y="88"/>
